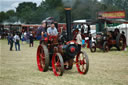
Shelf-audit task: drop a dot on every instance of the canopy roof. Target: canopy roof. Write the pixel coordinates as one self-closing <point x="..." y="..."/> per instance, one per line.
<point x="111" y="21"/>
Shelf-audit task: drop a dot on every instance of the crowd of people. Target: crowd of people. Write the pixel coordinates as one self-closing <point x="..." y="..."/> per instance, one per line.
<point x="42" y="32"/>
<point x="28" y="36"/>
<point x="16" y="38"/>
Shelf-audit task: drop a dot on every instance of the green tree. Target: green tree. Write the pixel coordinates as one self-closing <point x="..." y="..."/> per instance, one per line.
<point x="11" y="13"/>
<point x="53" y="8"/>
<point x="2" y="16"/>
<point x="26" y="11"/>
<point x="11" y="16"/>
<point x="85" y="9"/>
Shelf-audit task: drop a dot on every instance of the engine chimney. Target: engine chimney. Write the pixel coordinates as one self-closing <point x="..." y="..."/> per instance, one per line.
<point x="68" y="23"/>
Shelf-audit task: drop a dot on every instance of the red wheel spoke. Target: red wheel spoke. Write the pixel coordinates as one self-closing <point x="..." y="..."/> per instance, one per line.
<point x="58" y="61"/>
<point x="40" y="54"/>
<point x="84" y="62"/>
<point x="43" y="58"/>
<point x="58" y="65"/>
<point x="83" y="68"/>
<point x="59" y="69"/>
<point x="81" y="62"/>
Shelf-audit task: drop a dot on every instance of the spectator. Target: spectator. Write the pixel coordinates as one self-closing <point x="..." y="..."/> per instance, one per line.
<point x="79" y="40"/>
<point x="31" y="40"/>
<point x="90" y="40"/>
<point x="8" y="38"/>
<point x="11" y="41"/>
<point x="22" y="38"/>
<point x="27" y="37"/>
<point x="83" y="43"/>
<point x="82" y="29"/>
<point x="17" y="42"/>
<point x="123" y="32"/>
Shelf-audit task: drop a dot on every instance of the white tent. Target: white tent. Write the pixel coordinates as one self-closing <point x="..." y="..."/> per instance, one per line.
<point x="122" y="26"/>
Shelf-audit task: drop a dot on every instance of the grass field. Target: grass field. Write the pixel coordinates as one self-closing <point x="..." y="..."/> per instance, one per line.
<point x="20" y="68"/>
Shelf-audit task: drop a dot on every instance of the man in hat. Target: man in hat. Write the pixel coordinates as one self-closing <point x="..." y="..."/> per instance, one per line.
<point x="41" y="30"/>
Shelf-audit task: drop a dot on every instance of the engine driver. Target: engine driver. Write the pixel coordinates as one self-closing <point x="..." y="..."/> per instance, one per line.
<point x="41" y="31"/>
<point x="52" y="31"/>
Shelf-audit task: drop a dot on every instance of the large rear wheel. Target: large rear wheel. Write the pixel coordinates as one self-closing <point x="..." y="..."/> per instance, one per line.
<point x="57" y="64"/>
<point x="42" y="58"/>
<point x="82" y="62"/>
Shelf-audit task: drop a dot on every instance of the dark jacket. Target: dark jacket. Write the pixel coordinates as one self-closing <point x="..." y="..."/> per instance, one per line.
<point x="40" y="30"/>
<point x="11" y="39"/>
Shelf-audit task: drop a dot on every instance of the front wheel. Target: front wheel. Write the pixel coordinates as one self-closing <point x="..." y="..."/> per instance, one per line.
<point x="82" y="62"/>
<point x="57" y="64"/>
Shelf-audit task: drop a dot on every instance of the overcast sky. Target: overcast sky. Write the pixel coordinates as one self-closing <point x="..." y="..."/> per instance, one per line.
<point x="6" y="5"/>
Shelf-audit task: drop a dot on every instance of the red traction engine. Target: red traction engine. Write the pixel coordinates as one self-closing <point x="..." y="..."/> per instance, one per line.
<point x="51" y="53"/>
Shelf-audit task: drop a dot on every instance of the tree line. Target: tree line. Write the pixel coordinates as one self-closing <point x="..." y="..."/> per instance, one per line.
<point x="30" y="13"/>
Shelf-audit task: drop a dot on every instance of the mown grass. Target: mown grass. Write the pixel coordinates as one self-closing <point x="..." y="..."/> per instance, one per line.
<point x="20" y="68"/>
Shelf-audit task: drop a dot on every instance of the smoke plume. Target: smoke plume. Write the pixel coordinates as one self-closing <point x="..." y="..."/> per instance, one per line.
<point x="68" y="3"/>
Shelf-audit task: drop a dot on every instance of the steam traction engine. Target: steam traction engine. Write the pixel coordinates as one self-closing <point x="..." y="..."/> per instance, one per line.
<point x="52" y="52"/>
<point x="109" y="39"/>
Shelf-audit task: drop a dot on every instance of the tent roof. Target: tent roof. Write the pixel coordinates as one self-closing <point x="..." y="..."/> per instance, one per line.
<point x="120" y="21"/>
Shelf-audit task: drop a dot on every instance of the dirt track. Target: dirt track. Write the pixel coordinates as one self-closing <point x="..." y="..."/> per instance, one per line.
<point x="20" y="68"/>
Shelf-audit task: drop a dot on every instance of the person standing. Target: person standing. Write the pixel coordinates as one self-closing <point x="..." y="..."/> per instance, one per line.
<point x="27" y="37"/>
<point x="11" y="41"/>
<point x="31" y="40"/>
<point x="22" y="38"/>
<point x="17" y="42"/>
<point x="90" y="40"/>
<point x="8" y="38"/>
<point x="79" y="40"/>
<point x="25" y="34"/>
<point x="82" y="29"/>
